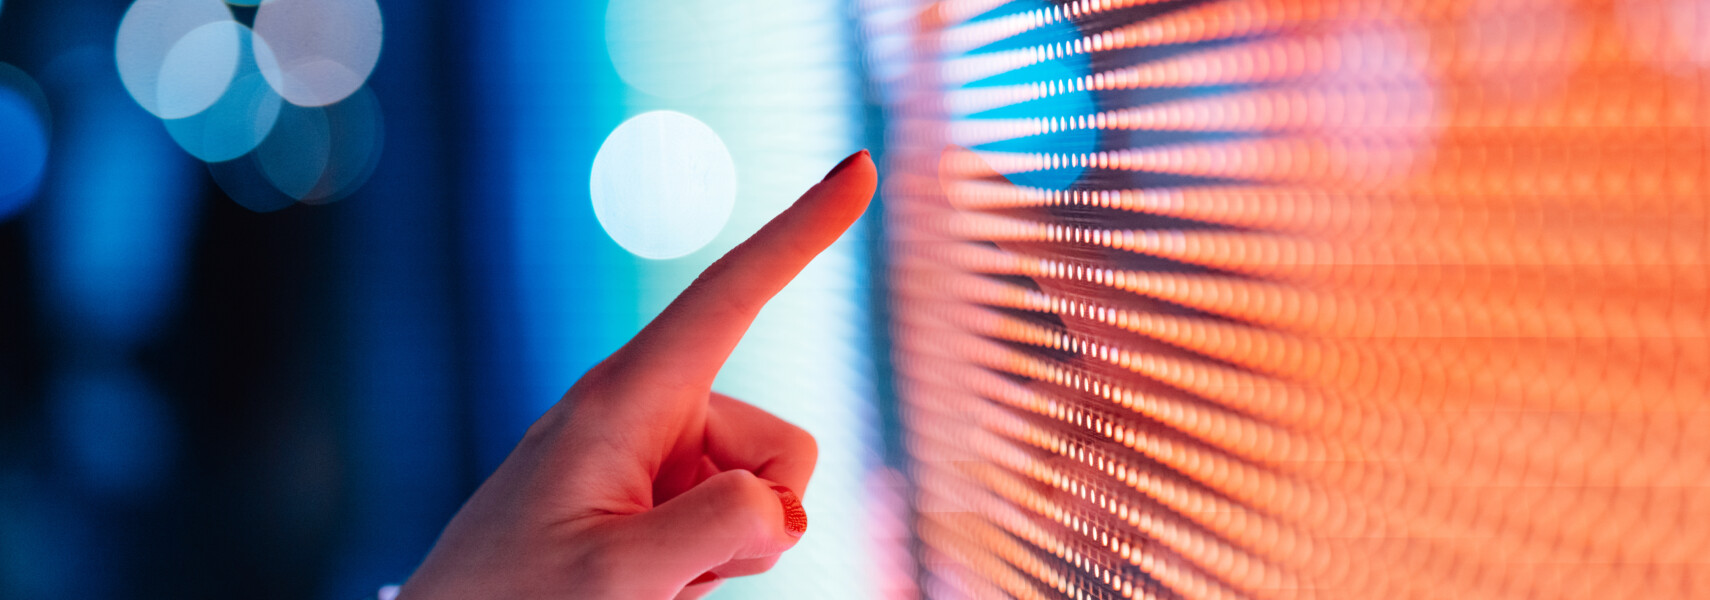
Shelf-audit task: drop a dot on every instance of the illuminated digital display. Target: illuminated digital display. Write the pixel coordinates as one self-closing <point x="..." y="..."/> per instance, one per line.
<point x="1273" y="298"/>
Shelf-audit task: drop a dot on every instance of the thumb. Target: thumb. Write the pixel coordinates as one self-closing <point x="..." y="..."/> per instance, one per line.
<point x="731" y="516"/>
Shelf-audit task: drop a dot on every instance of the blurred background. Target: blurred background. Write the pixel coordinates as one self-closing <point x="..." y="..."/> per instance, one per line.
<point x="280" y="284"/>
<point x="1159" y="298"/>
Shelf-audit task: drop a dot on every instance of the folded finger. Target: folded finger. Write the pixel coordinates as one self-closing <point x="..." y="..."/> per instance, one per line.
<point x="742" y="436"/>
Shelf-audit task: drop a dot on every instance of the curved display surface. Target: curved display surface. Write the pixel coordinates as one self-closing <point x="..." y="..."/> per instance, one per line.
<point x="1282" y="299"/>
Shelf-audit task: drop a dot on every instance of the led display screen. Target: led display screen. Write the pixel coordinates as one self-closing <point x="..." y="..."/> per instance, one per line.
<point x="1286" y="299"/>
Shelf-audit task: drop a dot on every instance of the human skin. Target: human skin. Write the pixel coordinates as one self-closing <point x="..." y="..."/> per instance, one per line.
<point x="642" y="482"/>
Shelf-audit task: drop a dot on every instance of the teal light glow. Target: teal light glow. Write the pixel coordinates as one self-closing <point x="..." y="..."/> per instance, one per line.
<point x="776" y="80"/>
<point x="677" y="49"/>
<point x="322" y="154"/>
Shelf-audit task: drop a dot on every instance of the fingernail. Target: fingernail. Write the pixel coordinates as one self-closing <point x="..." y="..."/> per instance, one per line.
<point x="845" y="164"/>
<point x="795" y="519"/>
<point x="705" y="577"/>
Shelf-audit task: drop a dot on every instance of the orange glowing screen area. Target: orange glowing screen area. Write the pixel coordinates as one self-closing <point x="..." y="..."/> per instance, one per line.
<point x="1287" y="299"/>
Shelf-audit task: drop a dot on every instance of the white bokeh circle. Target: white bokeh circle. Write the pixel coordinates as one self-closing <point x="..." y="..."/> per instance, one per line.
<point x="663" y="184"/>
<point x="199" y="69"/>
<point x="318" y="52"/>
<point x="166" y="50"/>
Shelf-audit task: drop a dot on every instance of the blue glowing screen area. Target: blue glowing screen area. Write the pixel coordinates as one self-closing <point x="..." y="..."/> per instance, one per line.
<point x="24" y="121"/>
<point x="285" y="280"/>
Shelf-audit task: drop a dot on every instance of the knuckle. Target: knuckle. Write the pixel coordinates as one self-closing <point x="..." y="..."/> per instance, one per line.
<point x="740" y="480"/>
<point x="603" y="372"/>
<point x="800" y="443"/>
<point x="754" y="519"/>
<point x="806" y="443"/>
<point x="731" y="308"/>
<point x="601" y="559"/>
<point x="713" y="271"/>
<point x="718" y="302"/>
<point x="729" y="489"/>
<point x="750" y="501"/>
<point x="550" y="426"/>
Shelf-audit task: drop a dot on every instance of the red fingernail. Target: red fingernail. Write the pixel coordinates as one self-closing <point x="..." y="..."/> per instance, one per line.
<point x="845" y="164"/>
<point x="795" y="519"/>
<point x="705" y="577"/>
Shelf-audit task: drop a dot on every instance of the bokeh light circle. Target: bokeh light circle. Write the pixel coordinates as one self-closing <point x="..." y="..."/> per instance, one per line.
<point x="239" y="120"/>
<point x="353" y="151"/>
<point x="318" y="52"/>
<point x="314" y="155"/>
<point x="242" y="180"/>
<point x="675" y="49"/>
<point x="24" y="129"/>
<point x="198" y="69"/>
<point x="296" y="155"/>
<point x="663" y="184"/>
<point x="318" y="154"/>
<point x="166" y="51"/>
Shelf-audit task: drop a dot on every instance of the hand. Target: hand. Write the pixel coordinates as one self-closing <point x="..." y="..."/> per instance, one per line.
<point x="642" y="482"/>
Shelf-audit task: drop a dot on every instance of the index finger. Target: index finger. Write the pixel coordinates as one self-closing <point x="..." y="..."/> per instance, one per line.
<point x="688" y="342"/>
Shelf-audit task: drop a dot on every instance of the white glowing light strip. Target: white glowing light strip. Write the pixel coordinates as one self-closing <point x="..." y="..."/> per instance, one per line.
<point x="786" y="107"/>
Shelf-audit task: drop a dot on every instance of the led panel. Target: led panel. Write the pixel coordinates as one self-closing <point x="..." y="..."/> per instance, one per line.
<point x="1286" y="299"/>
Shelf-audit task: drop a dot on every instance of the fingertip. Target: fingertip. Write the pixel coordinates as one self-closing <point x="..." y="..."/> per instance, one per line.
<point x="861" y="156"/>
<point x="853" y="180"/>
<point x="827" y="209"/>
<point x="692" y="338"/>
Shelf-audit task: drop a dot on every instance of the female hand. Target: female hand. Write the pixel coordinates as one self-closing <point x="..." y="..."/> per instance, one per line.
<point x="642" y="482"/>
